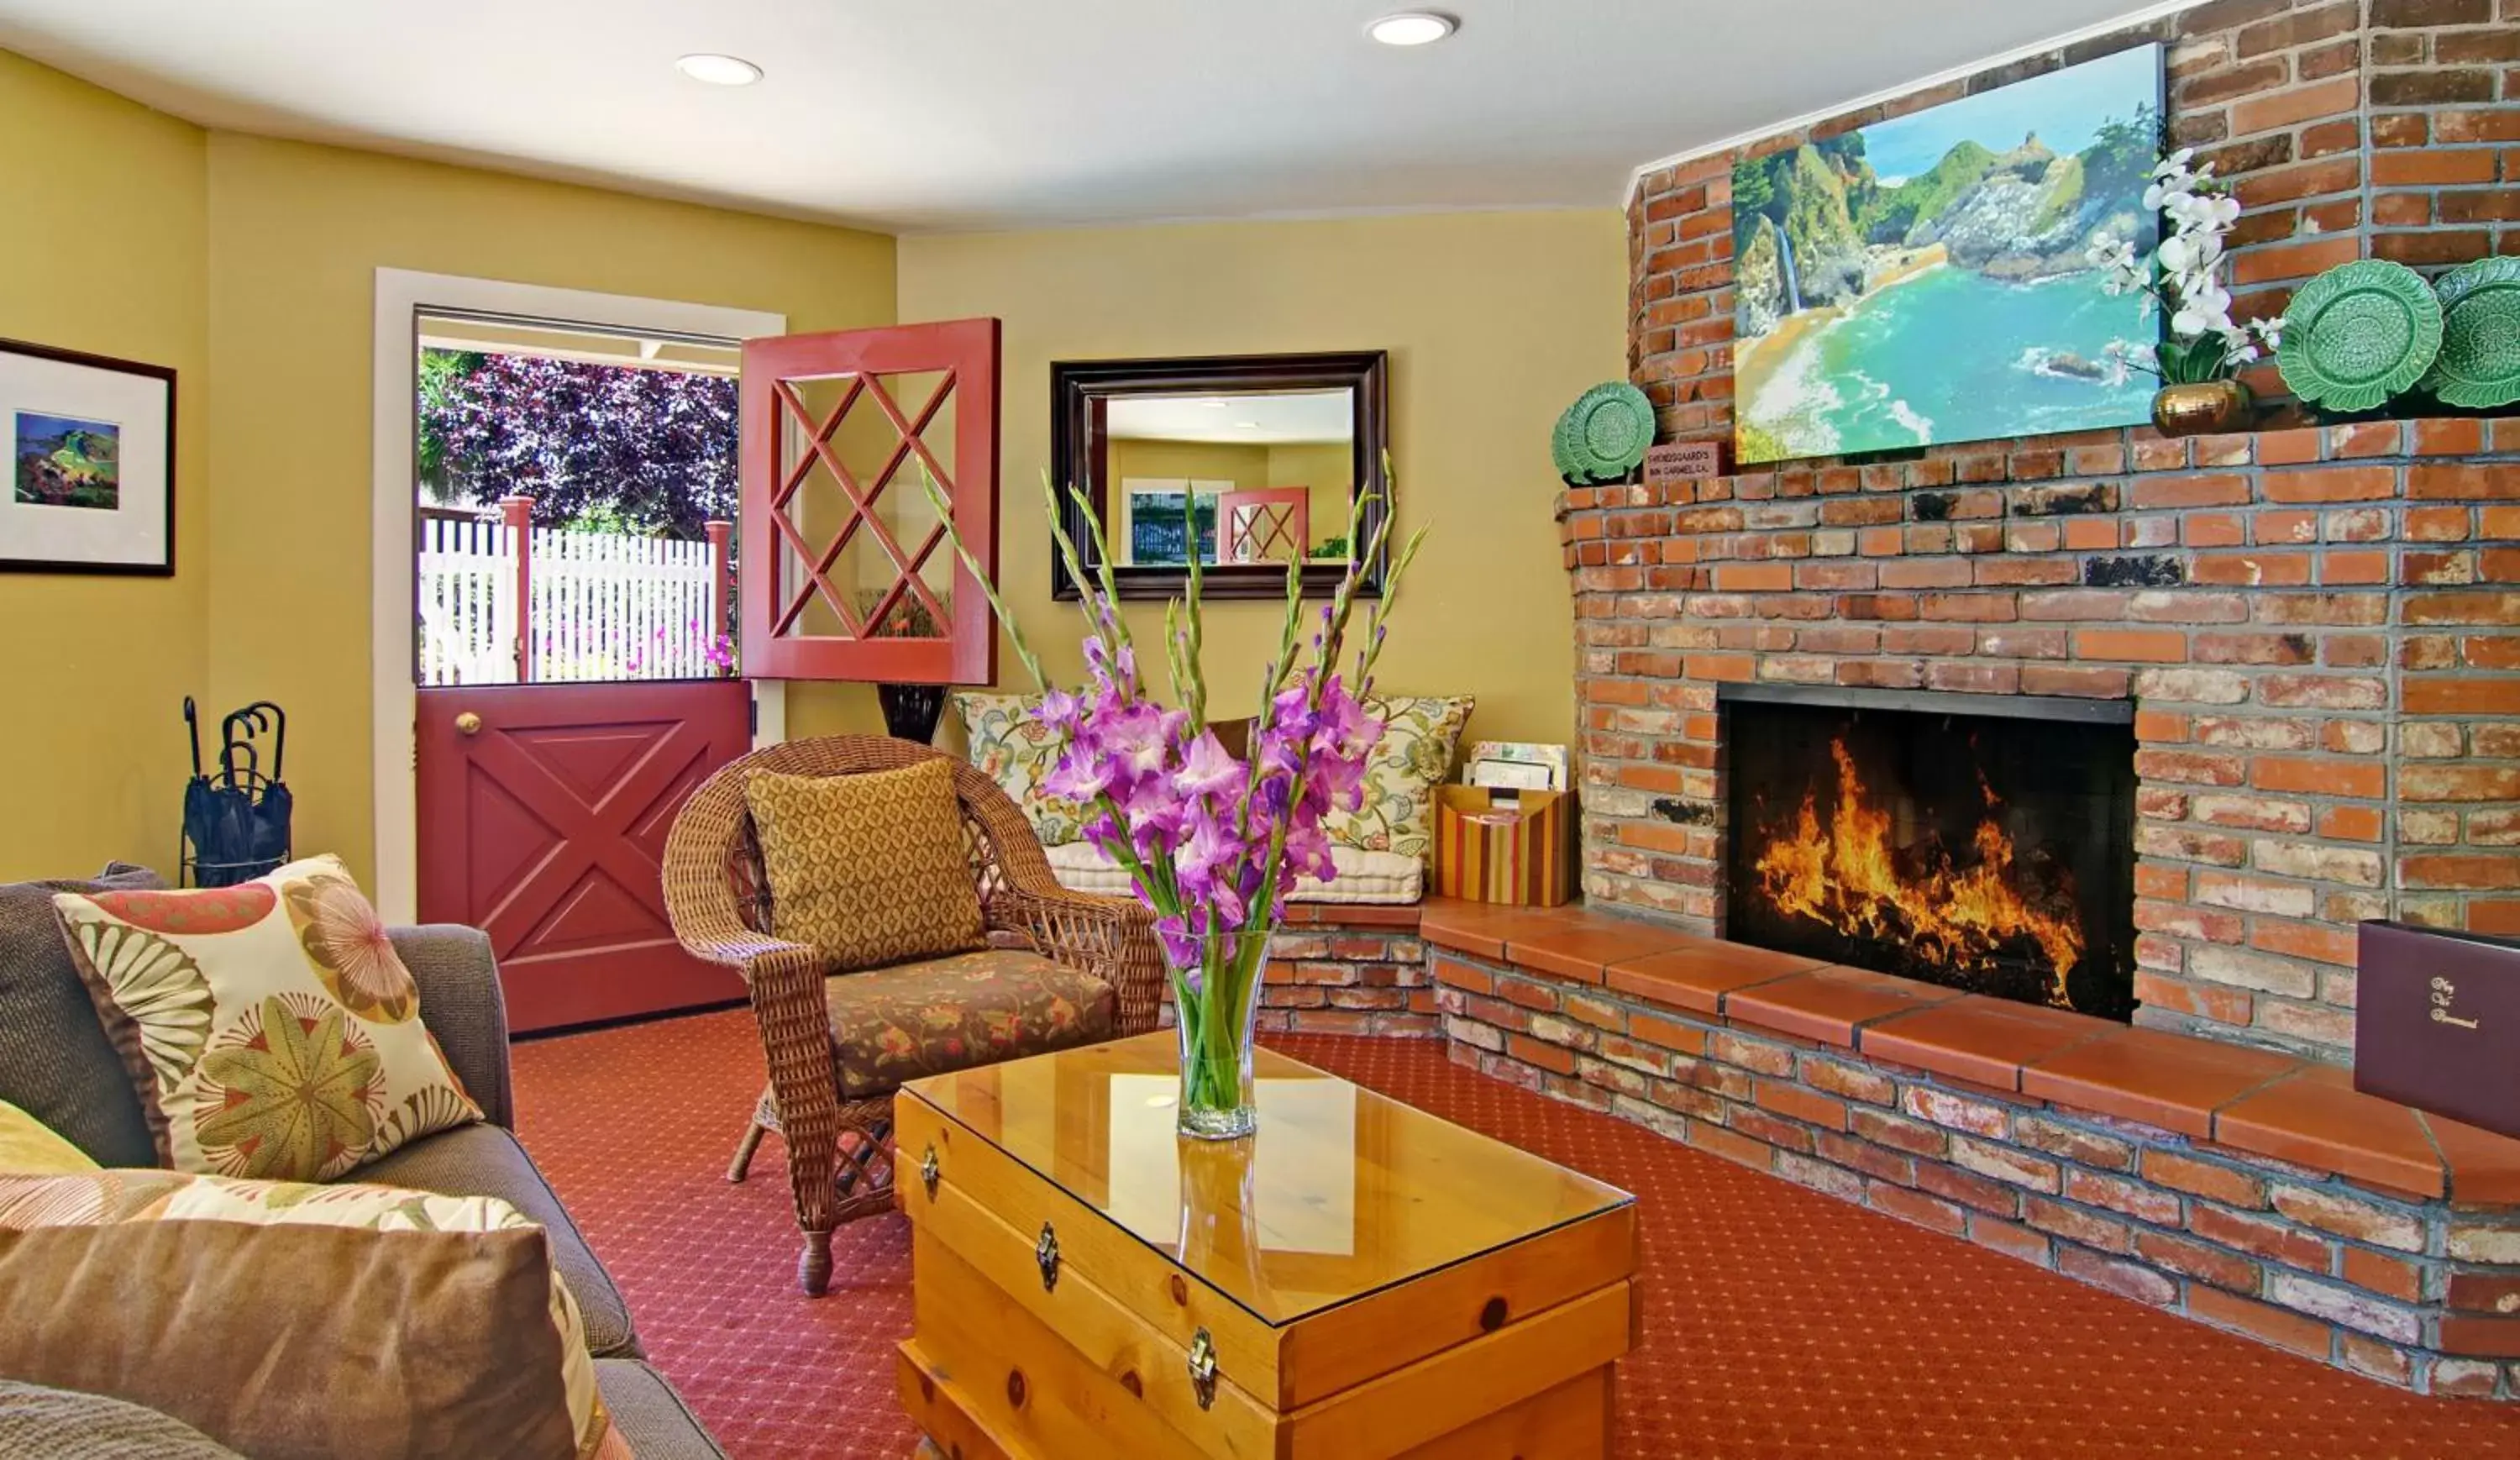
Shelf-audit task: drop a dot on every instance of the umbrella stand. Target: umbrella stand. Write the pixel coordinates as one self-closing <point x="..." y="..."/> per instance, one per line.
<point x="236" y="824"/>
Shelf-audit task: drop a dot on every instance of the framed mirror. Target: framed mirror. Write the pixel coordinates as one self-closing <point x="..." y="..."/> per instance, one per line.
<point x="1246" y="460"/>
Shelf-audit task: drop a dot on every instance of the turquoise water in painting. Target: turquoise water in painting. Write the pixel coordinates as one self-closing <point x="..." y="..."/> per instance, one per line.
<point x="1952" y="355"/>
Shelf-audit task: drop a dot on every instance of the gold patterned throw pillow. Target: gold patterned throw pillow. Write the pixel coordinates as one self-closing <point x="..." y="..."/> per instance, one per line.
<point x="871" y="868"/>
<point x="270" y="1027"/>
<point x="264" y="1313"/>
<point x="1018" y="753"/>
<point x="1419" y="734"/>
<point x="29" y="1147"/>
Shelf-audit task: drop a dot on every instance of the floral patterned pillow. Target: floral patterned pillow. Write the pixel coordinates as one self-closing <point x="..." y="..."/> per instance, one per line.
<point x="1018" y="753"/>
<point x="1419" y="734"/>
<point x="270" y="1027"/>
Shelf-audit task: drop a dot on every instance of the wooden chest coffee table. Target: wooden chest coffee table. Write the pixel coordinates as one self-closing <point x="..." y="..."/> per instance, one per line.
<point x="1359" y="1280"/>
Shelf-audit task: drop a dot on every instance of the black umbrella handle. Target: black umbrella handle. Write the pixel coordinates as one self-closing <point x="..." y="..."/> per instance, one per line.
<point x="238" y="731"/>
<point x="192" y="725"/>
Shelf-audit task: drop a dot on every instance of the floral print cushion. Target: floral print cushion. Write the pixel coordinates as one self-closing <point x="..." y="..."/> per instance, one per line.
<point x="946" y="1013"/>
<point x="1419" y="734"/>
<point x="1018" y="753"/>
<point x="270" y="1027"/>
<point x="99" y="1199"/>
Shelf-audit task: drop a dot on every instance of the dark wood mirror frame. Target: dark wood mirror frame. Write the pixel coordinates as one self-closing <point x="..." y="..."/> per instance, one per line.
<point x="1079" y="454"/>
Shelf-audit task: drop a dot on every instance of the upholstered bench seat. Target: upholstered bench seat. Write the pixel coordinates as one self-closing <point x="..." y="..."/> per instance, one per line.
<point x="1364" y="877"/>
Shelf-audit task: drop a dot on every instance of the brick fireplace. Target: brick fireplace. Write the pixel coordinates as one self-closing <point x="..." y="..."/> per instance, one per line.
<point x="2314" y="631"/>
<point x="2307" y="642"/>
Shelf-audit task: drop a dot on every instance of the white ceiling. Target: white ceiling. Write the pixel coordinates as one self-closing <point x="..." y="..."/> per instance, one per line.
<point x="1280" y="419"/>
<point x="915" y="116"/>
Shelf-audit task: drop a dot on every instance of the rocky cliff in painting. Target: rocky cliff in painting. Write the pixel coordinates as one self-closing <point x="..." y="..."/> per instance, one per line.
<point x="1836" y="231"/>
<point x="1929" y="278"/>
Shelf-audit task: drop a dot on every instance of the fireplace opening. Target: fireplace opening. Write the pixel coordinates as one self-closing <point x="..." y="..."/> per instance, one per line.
<point x="1976" y="842"/>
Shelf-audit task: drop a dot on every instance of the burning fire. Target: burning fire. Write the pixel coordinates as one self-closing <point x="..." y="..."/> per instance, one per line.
<point x="1850" y="878"/>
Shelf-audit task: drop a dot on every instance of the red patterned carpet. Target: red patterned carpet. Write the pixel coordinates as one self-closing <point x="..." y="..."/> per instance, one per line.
<point x="1779" y="1322"/>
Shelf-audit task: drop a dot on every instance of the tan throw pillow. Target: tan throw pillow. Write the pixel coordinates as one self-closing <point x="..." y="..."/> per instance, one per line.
<point x="297" y="1322"/>
<point x="1419" y="734"/>
<point x="270" y="1027"/>
<point x="871" y="869"/>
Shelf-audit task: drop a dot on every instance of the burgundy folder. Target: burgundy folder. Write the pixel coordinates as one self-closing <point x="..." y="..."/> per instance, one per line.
<point x="2437" y="1023"/>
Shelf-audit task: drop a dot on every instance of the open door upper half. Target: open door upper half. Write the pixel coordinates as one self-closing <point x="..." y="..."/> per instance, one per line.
<point x="844" y="570"/>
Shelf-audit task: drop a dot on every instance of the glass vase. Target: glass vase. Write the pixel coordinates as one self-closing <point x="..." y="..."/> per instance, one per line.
<point x="1216" y="1002"/>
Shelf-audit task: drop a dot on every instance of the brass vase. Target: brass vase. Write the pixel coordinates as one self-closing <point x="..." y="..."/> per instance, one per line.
<point x="2201" y="408"/>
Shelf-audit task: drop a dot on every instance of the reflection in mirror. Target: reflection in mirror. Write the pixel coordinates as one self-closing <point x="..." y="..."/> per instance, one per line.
<point x="1244" y="464"/>
<point x="1252" y="478"/>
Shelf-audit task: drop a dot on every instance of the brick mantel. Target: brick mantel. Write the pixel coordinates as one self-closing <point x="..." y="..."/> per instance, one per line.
<point x="2319" y="628"/>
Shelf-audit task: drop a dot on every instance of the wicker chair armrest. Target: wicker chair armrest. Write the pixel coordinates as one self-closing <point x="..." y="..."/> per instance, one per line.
<point x="1112" y="939"/>
<point x="740" y="949"/>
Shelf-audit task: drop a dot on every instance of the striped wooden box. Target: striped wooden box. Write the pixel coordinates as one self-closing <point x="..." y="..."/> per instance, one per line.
<point x="1519" y="853"/>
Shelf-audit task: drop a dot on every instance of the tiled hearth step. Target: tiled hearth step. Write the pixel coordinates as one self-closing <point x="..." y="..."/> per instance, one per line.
<point x="2249" y="1190"/>
<point x="1346" y="968"/>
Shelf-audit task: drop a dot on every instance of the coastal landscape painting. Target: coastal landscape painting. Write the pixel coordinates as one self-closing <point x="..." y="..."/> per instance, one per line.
<point x="1930" y="278"/>
<point x="62" y="461"/>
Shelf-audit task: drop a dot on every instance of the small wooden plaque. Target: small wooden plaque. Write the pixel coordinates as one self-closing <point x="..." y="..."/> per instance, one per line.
<point x="1682" y="461"/>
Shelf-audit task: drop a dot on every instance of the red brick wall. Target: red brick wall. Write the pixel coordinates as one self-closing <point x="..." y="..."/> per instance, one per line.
<point x="2318" y="625"/>
<point x="2386" y="126"/>
<point x="2320" y="628"/>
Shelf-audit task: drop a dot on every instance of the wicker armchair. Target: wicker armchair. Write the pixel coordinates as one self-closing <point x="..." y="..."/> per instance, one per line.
<point x="718" y="899"/>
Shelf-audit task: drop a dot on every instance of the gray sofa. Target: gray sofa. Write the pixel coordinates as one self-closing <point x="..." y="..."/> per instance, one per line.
<point x="56" y="1063"/>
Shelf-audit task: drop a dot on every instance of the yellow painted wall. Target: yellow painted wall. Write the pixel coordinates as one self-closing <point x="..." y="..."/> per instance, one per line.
<point x="104" y="250"/>
<point x="296" y="235"/>
<point x="1494" y="322"/>
<point x="249" y="264"/>
<point x="1199" y="461"/>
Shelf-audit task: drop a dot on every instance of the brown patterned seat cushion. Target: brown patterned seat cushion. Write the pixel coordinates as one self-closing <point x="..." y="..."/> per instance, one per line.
<point x="871" y="869"/>
<point x="946" y="1014"/>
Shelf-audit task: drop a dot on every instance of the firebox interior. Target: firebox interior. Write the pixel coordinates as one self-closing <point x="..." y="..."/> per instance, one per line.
<point x="1976" y="842"/>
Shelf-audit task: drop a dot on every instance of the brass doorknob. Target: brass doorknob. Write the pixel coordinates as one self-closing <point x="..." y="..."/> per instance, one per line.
<point x="467" y="723"/>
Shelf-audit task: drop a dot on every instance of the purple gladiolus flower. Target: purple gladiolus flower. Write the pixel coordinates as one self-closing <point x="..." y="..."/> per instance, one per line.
<point x="1210" y="769"/>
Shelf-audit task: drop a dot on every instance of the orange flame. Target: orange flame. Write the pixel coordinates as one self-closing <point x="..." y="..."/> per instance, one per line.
<point x="1847" y="877"/>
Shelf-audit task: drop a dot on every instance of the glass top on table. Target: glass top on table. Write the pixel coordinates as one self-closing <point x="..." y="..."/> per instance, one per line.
<point x="1342" y="1192"/>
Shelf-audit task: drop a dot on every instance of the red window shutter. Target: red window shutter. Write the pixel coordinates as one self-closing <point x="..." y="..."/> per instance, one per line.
<point x="837" y="539"/>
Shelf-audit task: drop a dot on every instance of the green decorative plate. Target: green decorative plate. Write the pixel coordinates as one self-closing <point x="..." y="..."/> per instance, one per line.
<point x="2479" y="365"/>
<point x="2359" y="334"/>
<point x="1562" y="450"/>
<point x="1604" y="433"/>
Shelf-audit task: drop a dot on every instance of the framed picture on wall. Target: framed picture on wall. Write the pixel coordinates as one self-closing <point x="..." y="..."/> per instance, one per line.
<point x="1930" y="278"/>
<point x="91" y="484"/>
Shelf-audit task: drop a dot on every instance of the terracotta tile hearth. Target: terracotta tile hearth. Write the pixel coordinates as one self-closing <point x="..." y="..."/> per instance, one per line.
<point x="2249" y="1189"/>
<point x="2313" y="632"/>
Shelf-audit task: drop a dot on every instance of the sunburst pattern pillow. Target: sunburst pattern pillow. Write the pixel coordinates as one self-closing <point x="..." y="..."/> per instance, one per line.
<point x="270" y="1027"/>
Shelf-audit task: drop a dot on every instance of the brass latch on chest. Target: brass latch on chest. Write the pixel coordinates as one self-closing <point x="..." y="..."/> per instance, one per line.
<point x="1046" y="1252"/>
<point x="1202" y="1368"/>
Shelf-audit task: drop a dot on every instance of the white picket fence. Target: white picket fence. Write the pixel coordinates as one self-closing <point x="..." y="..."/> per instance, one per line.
<point x="605" y="606"/>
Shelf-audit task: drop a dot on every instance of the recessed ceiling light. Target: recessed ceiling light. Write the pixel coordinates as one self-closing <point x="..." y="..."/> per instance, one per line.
<point x="1413" y="27"/>
<point x="719" y="70"/>
<point x="1248" y="425"/>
